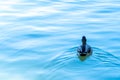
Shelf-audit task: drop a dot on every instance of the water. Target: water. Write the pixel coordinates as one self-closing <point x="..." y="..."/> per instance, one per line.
<point x="39" y="38"/>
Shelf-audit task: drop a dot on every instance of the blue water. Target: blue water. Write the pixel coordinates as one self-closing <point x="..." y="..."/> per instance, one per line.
<point x="39" y="38"/>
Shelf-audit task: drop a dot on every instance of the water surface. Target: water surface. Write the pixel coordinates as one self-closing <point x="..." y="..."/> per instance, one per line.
<point x="39" y="39"/>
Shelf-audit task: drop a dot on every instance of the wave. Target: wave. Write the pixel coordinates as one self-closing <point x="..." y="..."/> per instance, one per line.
<point x="68" y="62"/>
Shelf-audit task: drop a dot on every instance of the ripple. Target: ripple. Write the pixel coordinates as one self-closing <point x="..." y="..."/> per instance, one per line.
<point x="68" y="62"/>
<point x="39" y="39"/>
